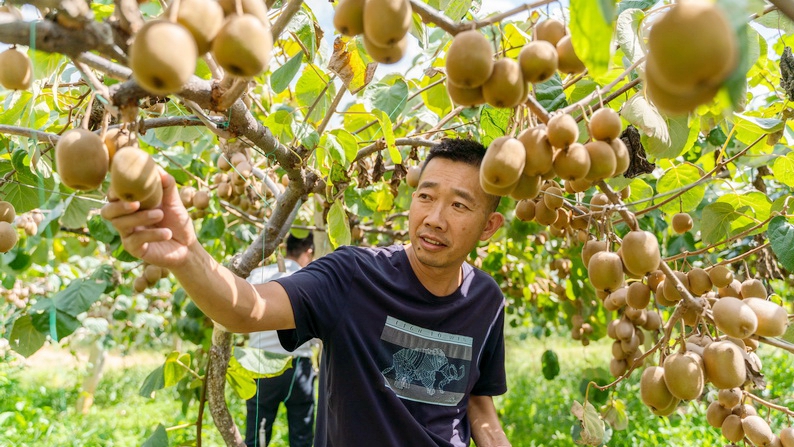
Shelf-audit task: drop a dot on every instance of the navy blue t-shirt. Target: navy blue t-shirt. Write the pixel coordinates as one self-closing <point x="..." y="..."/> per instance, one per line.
<point x="398" y="362"/>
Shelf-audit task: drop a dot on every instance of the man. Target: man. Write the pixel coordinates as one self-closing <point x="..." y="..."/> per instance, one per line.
<point x="295" y="387"/>
<point x="413" y="346"/>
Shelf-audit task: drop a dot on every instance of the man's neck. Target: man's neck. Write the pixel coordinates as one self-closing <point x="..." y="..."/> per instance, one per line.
<point x="437" y="280"/>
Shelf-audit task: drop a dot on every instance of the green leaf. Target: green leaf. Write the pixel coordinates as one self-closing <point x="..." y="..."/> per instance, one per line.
<point x="13" y="114"/>
<point x="493" y="123"/>
<point x="640" y="113"/>
<point x="436" y="98"/>
<point x="16" y="190"/>
<point x="640" y="192"/>
<point x="212" y="228"/>
<point x="550" y="364"/>
<point x="76" y="213"/>
<point x="615" y="414"/>
<point x="175" y="368"/>
<point x="41" y="317"/>
<point x="101" y="230"/>
<point x="242" y="381"/>
<point x="389" y="99"/>
<point x="262" y="363"/>
<point x="749" y="52"/>
<point x="158" y="439"/>
<point x="638" y="4"/>
<point x="682" y="132"/>
<point x="338" y="227"/>
<point x="79" y="295"/>
<point x="715" y="222"/>
<point x="781" y="237"/>
<point x="753" y="206"/>
<point x="386" y="125"/>
<point x="676" y="178"/>
<point x="24" y="338"/>
<point x="155" y="381"/>
<point x="311" y="91"/>
<point x="550" y="93"/>
<point x="284" y="74"/>
<point x="280" y="124"/>
<point x="379" y="198"/>
<point x="591" y="35"/>
<point x="783" y="169"/>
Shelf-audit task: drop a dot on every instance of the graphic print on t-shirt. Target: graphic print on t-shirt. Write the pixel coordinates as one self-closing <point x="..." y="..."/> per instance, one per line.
<point x="426" y="366"/>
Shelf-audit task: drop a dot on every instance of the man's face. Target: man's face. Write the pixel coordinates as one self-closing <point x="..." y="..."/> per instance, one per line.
<point x="449" y="214"/>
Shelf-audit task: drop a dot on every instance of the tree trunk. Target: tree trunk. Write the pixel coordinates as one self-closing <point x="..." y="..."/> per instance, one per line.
<point x="97" y="361"/>
<point x="220" y="353"/>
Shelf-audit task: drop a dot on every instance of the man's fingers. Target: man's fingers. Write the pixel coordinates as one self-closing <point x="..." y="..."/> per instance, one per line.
<point x="139" y="237"/>
<point x="126" y="223"/>
<point x="116" y="208"/>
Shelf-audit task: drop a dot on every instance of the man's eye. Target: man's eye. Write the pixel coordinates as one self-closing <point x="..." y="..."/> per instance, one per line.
<point x="460" y="206"/>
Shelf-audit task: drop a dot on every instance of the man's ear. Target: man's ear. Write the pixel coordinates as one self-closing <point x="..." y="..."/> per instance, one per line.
<point x="494" y="222"/>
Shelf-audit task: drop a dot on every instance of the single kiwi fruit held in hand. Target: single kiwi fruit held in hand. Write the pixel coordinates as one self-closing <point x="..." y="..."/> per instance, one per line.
<point x="349" y="17"/>
<point x="469" y="60"/>
<point x="162" y="57"/>
<point x="16" y="70"/>
<point x="134" y="177"/>
<point x="81" y="159"/>
<point x="243" y="46"/>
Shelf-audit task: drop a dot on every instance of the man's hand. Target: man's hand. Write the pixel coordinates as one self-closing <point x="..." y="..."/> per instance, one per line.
<point x="161" y="236"/>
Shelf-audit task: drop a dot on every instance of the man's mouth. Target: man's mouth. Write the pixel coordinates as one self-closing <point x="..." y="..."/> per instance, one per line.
<point x="432" y="241"/>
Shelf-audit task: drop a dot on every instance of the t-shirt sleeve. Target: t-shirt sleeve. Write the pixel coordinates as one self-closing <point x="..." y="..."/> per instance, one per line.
<point x="492" y="380"/>
<point x="317" y="293"/>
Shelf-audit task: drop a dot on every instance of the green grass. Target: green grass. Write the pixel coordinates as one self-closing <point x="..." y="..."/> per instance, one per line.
<point x="37" y="404"/>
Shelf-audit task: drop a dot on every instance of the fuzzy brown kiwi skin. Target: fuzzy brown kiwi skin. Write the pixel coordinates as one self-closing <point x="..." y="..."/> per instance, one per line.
<point x="469" y="60"/>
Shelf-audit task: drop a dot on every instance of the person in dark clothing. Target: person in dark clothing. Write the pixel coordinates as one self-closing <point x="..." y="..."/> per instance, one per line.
<point x="413" y="342"/>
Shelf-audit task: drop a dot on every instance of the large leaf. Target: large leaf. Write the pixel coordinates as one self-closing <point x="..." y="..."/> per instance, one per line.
<point x="715" y="222"/>
<point x="314" y="91"/>
<point x="158" y="439"/>
<point x="281" y="78"/>
<point x="175" y="368"/>
<point x="352" y="64"/>
<point x="591" y="35"/>
<point x="388" y="134"/>
<point x="493" y="123"/>
<point x="783" y="168"/>
<point x="683" y="133"/>
<point x="781" y="237"/>
<point x="615" y="414"/>
<point x="262" y="363"/>
<point x="644" y="116"/>
<point x="550" y="364"/>
<point x="550" y="93"/>
<point x="338" y="228"/>
<point x="24" y="189"/>
<point x="623" y="5"/>
<point x="24" y="338"/>
<point x="676" y="178"/>
<point x="754" y="207"/>
<point x="155" y="381"/>
<point x="387" y="98"/>
<point x="592" y="427"/>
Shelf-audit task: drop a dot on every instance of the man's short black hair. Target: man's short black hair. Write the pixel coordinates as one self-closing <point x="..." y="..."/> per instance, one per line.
<point x="297" y="246"/>
<point x="465" y="151"/>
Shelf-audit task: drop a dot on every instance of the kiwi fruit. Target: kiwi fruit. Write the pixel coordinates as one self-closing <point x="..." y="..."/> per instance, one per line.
<point x="203" y="18"/>
<point x="640" y="252"/>
<point x="618" y="367"/>
<point x="256" y="8"/>
<point x="616" y="300"/>
<point x="349" y="17"/>
<point x="8" y="236"/>
<point x="605" y="270"/>
<point x="469" y="60"/>
<point x="653" y="389"/>
<point x="787" y="437"/>
<point x="724" y="364"/>
<point x="386" y="55"/>
<point x="506" y="86"/>
<point x="671" y="103"/>
<point x="543" y="214"/>
<point x="563" y="220"/>
<point x="693" y="46"/>
<point x="757" y="430"/>
<point x="653" y="321"/>
<point x="753" y="288"/>
<point x="82" y="159"/>
<point x="730" y="397"/>
<point x="605" y="125"/>
<point x="553" y="197"/>
<point x="720" y="276"/>
<point x="562" y="130"/>
<point x="602" y="160"/>
<point x="16" y="70"/>
<point x="186" y="195"/>
<point x="201" y="200"/>
<point x="682" y="222"/>
<point x="550" y="30"/>
<point x="540" y="154"/>
<point x="158" y="68"/>
<point x="732" y="428"/>
<point x="7" y="212"/>
<point x="622" y="160"/>
<point x="735" y="318"/>
<point x="243" y="45"/>
<point x="671" y="291"/>
<point x="568" y="61"/>
<point x="412" y="176"/>
<point x="152" y="274"/>
<point x="590" y="248"/>
<point x="538" y="60"/>
<point x="525" y="210"/>
<point x="386" y="22"/>
<point x="772" y="318"/>
<point x="115" y="139"/>
<point x="638" y="295"/>
<point x="733" y="289"/>
<point x="699" y="281"/>
<point x="501" y="191"/>
<point x="683" y="374"/>
<point x="135" y="177"/>
<point x="716" y="414"/>
<point x="467" y="97"/>
<point x="744" y="410"/>
<point x="528" y="187"/>
<point x="572" y="163"/>
<point x="503" y="162"/>
<point x="140" y="284"/>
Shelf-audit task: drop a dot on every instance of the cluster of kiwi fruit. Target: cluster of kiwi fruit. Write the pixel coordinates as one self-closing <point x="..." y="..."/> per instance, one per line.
<point x="8" y="233"/>
<point x="30" y="221"/>
<point x="240" y="41"/>
<point x="692" y="49"/>
<point x="16" y="70"/>
<point x="383" y="24"/>
<point x="475" y="78"/>
<point x="198" y="199"/>
<point x="237" y="184"/>
<point x="738" y="421"/>
<point x="150" y="276"/>
<point x="515" y="167"/>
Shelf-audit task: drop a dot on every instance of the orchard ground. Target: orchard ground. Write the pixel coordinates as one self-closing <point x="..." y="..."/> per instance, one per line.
<point x="39" y="396"/>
